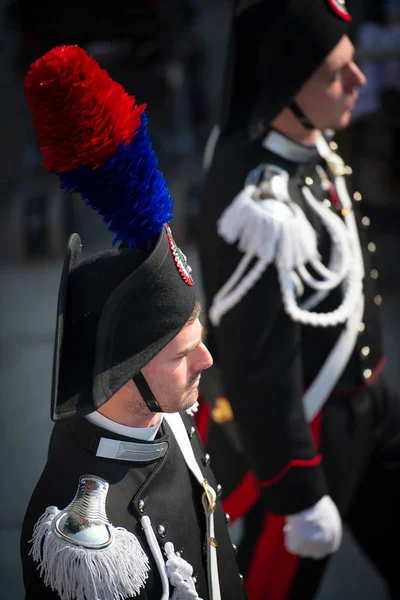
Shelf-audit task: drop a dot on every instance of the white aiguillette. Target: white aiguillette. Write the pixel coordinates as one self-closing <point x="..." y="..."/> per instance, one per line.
<point x="268" y="228"/>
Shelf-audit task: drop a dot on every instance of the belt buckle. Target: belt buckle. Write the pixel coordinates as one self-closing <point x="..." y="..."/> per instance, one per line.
<point x="212" y="505"/>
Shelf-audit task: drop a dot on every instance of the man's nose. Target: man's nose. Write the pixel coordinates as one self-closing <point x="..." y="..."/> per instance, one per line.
<point x="357" y="76"/>
<point x="204" y="357"/>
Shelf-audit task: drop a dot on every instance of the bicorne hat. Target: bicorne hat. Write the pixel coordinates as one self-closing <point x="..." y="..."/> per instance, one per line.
<point x="274" y="47"/>
<point x="118" y="308"/>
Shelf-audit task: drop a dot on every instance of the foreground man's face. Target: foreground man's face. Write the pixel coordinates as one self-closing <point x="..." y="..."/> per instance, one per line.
<point x="174" y="374"/>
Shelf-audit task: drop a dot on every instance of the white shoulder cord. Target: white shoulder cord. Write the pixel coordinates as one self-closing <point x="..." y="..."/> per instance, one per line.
<point x="352" y="283"/>
<point x="325" y="381"/>
<point x="344" y="239"/>
<point x="176" y="570"/>
<point x="333" y="266"/>
<point x="341" y="259"/>
<point x="289" y="242"/>
<point x="241" y="222"/>
<point x="180" y="575"/>
<point x="337" y="165"/>
<point x="156" y="552"/>
<point x="229" y="295"/>
<point x="208" y="499"/>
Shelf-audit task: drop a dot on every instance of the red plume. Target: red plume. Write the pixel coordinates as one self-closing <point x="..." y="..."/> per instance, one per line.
<point x="80" y="114"/>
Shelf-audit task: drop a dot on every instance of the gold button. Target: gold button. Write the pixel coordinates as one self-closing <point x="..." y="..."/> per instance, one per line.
<point x="309" y="180"/>
<point x="348" y="170"/>
<point x="357" y="196"/>
<point x="333" y="146"/>
<point x="366" y="221"/>
<point x="378" y="300"/>
<point x="372" y="246"/>
<point x="365" y="351"/>
<point x="374" y="273"/>
<point x="361" y="327"/>
<point x="367" y="373"/>
<point x="327" y="203"/>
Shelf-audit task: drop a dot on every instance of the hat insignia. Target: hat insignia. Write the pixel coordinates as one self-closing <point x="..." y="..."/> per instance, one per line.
<point x="179" y="258"/>
<point x="340" y="8"/>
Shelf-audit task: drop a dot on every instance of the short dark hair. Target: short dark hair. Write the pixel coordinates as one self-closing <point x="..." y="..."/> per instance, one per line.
<point x="195" y="313"/>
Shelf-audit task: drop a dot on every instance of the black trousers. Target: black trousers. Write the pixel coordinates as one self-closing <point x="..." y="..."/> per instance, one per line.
<point x="360" y="445"/>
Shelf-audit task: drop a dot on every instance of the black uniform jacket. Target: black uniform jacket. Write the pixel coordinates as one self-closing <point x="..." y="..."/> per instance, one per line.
<point x="170" y="494"/>
<point x="267" y="360"/>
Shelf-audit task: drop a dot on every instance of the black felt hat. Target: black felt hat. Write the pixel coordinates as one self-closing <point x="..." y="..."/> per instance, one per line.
<point x="274" y="47"/>
<point x="118" y="308"/>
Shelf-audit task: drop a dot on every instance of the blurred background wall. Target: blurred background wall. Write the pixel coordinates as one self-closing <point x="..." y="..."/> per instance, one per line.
<point x="169" y="54"/>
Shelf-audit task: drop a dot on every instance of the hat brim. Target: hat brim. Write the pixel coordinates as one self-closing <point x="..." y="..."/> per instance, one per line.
<point x="71" y="259"/>
<point x="116" y="311"/>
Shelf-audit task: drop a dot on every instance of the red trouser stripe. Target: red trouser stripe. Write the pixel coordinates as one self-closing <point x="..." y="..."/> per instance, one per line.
<point x="273" y="568"/>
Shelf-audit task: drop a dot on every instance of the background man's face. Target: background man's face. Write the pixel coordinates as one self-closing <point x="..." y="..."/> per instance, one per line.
<point x="329" y="95"/>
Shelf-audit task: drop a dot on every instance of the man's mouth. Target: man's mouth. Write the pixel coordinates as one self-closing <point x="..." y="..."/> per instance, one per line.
<point x="195" y="383"/>
<point x="351" y="104"/>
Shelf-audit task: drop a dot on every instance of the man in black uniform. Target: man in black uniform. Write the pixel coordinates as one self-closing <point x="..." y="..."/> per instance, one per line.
<point x="126" y="505"/>
<point x="292" y="307"/>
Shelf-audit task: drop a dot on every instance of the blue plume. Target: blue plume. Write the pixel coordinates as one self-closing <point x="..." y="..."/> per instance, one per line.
<point x="128" y="191"/>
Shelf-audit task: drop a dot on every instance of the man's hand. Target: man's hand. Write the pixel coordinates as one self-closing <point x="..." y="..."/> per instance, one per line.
<point x="314" y="532"/>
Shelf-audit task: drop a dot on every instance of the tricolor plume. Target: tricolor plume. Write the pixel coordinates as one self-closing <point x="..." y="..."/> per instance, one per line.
<point x="95" y="138"/>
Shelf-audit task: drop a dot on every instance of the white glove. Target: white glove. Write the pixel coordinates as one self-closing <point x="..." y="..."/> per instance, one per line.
<point x="314" y="532"/>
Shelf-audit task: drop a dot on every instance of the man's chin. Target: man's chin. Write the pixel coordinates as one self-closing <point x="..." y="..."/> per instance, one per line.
<point x="344" y="121"/>
<point x="191" y="399"/>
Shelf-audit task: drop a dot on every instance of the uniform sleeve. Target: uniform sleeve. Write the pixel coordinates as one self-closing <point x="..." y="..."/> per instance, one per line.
<point x="259" y="354"/>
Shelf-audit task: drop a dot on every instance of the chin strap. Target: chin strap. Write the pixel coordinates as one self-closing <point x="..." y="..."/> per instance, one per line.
<point x="296" y="110"/>
<point x="146" y="393"/>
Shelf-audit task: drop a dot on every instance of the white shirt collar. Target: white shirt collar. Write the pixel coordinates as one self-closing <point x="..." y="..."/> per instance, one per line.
<point x="139" y="433"/>
<point x="286" y="148"/>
